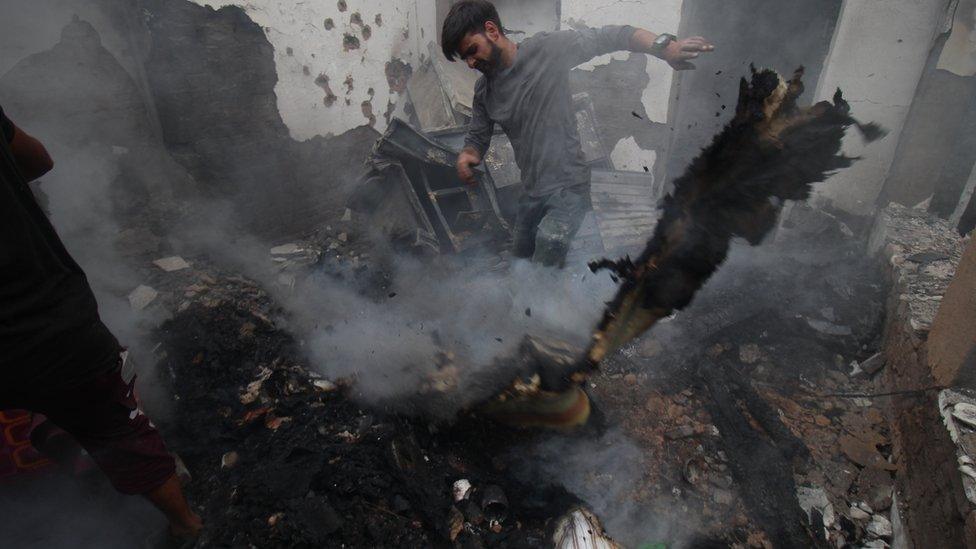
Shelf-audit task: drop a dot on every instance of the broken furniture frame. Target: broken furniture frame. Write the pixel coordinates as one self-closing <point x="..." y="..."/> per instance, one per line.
<point x="453" y="209"/>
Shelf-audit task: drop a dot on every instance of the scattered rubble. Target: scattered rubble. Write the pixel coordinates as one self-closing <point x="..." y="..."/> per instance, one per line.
<point x="141" y="297"/>
<point x="172" y="263"/>
<point x="581" y="529"/>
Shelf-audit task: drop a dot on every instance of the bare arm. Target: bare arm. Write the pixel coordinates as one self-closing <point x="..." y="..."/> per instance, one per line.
<point x="29" y="153"/>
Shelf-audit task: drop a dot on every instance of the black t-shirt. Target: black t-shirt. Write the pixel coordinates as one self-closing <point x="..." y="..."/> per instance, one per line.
<point x="50" y="331"/>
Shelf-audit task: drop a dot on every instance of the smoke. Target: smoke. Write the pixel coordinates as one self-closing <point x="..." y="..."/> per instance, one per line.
<point x="607" y="474"/>
<point x="392" y="344"/>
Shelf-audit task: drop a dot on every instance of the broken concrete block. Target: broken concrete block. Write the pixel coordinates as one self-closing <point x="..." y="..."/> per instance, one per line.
<point x="141" y="297"/>
<point x="722" y="497"/>
<point x="749" y="353"/>
<point x="461" y="489"/>
<point x="966" y="413"/>
<point x="683" y="431"/>
<point x="580" y="528"/>
<point x="324" y="385"/>
<point x="857" y="513"/>
<point x="829" y="328"/>
<point x="229" y="460"/>
<point x="172" y="263"/>
<point x="347" y="216"/>
<point x="287" y="249"/>
<point x="872" y="365"/>
<point x="863" y="454"/>
<point x="811" y="499"/>
<point x="879" y="527"/>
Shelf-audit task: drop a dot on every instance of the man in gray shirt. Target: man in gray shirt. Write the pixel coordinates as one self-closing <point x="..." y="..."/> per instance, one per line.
<point x="525" y="89"/>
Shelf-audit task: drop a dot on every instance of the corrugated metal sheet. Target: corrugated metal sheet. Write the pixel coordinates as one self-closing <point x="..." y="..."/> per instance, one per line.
<point x="429" y="101"/>
<point x="457" y="80"/>
<point x="624" y="208"/>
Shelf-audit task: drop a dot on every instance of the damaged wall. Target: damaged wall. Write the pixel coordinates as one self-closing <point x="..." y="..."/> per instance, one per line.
<point x="878" y="53"/>
<point x="624" y="84"/>
<point x="213" y="78"/>
<point x="935" y="122"/>
<point x="340" y="63"/>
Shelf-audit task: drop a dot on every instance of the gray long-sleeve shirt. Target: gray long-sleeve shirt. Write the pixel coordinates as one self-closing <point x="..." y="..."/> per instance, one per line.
<point x="532" y="102"/>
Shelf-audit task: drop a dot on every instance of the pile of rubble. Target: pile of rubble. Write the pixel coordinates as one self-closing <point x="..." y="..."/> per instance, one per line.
<point x="281" y="456"/>
<point x="754" y="404"/>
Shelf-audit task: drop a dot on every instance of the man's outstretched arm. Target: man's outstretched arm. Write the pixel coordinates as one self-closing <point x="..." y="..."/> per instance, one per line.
<point x="579" y="46"/>
<point x="678" y="52"/>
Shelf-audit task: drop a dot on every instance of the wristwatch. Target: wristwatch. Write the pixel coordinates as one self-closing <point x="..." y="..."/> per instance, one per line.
<point x="661" y="43"/>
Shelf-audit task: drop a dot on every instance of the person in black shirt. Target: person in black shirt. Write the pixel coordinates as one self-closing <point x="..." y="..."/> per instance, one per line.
<point x="57" y="358"/>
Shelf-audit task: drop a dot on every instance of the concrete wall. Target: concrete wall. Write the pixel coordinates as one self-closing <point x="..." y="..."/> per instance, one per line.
<point x="654" y="15"/>
<point x="952" y="342"/>
<point x="623" y="84"/>
<point x="332" y="57"/>
<point x="877" y="56"/>
<point x="796" y="33"/>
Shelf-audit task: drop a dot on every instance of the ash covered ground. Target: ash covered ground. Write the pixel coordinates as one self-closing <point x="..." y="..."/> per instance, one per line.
<point x="708" y="428"/>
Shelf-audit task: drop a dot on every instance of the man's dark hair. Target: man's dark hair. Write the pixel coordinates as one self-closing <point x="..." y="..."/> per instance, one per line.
<point x="466" y="16"/>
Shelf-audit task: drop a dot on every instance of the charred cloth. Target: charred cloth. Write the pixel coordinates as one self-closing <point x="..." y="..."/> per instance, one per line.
<point x="770" y="152"/>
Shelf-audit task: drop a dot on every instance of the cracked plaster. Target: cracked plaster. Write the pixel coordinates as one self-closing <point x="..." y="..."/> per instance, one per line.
<point x="877" y="57"/>
<point x="406" y="28"/>
<point x="657" y="16"/>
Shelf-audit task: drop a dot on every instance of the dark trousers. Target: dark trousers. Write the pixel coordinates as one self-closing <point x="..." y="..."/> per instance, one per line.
<point x="545" y="225"/>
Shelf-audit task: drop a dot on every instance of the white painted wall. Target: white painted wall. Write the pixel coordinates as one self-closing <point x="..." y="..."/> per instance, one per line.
<point x="877" y="56"/>
<point x="657" y="16"/>
<point x="527" y="16"/>
<point x="407" y="26"/>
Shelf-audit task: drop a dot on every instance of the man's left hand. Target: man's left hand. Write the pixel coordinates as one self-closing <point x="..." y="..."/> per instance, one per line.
<point x="679" y="53"/>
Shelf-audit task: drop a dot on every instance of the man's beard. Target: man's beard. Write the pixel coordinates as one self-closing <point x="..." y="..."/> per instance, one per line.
<point x="494" y="61"/>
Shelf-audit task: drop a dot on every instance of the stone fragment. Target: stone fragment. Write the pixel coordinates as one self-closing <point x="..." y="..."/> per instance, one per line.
<point x="722" y="497"/>
<point x="683" y="431"/>
<point x="829" y="328"/>
<point x="324" y="385"/>
<point x="863" y="454"/>
<point x="872" y="365"/>
<point x="141" y="297"/>
<point x="455" y="522"/>
<point x="966" y="413"/>
<point x="229" y="460"/>
<point x="875" y="487"/>
<point x="857" y="513"/>
<point x="811" y="499"/>
<point x="879" y="527"/>
<point x="749" y="353"/>
<point x="172" y="263"/>
<point x="347" y="216"/>
<point x="287" y="249"/>
<point x="650" y="347"/>
<point x="461" y="489"/>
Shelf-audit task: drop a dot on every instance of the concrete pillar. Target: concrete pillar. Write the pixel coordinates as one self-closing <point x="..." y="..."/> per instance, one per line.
<point x="952" y="341"/>
<point x="965" y="202"/>
<point x="877" y="56"/>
